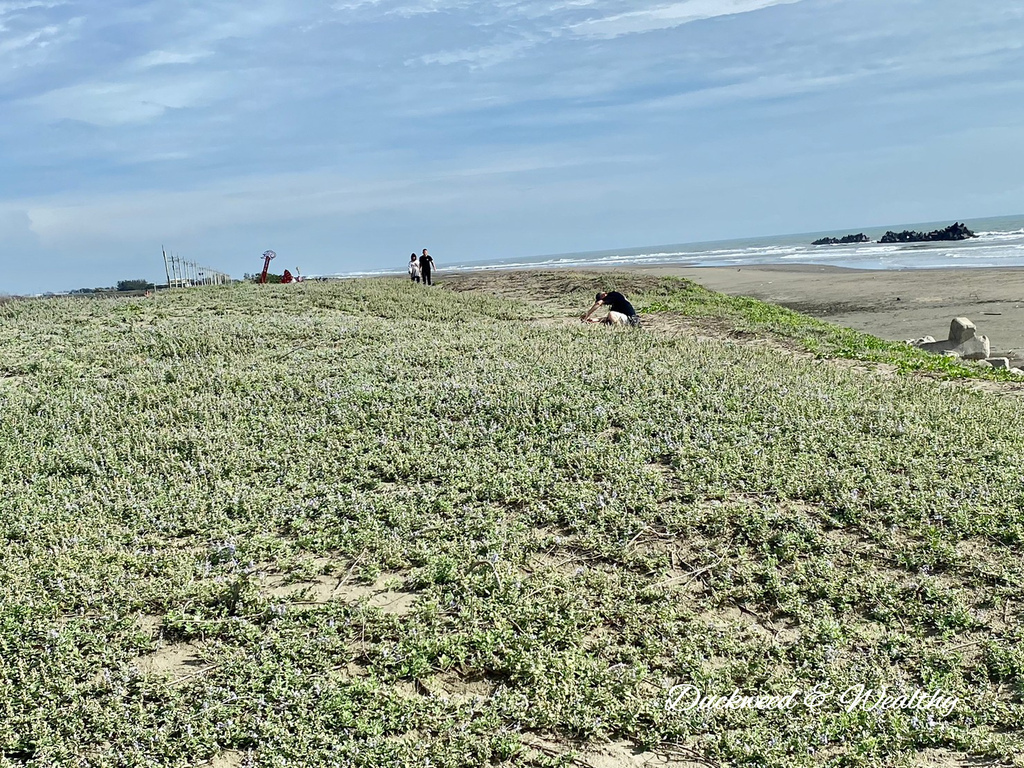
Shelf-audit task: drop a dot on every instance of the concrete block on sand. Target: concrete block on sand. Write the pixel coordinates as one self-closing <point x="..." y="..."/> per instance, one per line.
<point x="961" y="329"/>
<point x="937" y="347"/>
<point x="999" y="362"/>
<point x="963" y="342"/>
<point x="974" y="348"/>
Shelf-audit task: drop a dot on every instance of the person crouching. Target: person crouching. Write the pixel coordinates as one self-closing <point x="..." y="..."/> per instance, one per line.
<point x="620" y="311"/>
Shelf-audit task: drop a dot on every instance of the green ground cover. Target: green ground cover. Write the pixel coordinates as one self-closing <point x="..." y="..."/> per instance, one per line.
<point x="567" y="292"/>
<point x="367" y="523"/>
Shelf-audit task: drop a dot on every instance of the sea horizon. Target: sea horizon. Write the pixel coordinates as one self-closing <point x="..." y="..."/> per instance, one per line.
<point x="999" y="243"/>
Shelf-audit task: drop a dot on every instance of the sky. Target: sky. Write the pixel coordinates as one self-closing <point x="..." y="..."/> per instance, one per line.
<point x="346" y="135"/>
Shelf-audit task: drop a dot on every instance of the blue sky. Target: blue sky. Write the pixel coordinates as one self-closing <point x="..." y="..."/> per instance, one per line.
<point x="345" y="136"/>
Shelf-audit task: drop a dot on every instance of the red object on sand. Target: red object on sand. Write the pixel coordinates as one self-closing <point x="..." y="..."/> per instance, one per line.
<point x="267" y="256"/>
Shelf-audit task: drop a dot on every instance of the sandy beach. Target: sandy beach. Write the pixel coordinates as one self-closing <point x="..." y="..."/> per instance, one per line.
<point x="894" y="305"/>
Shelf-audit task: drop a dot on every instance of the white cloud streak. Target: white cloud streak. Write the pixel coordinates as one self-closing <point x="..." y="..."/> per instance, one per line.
<point x="63" y="221"/>
<point x="552" y="21"/>
<point x="188" y="71"/>
<point x="483" y="57"/>
<point x="669" y="16"/>
<point x="29" y="35"/>
<point x="169" y="58"/>
<point x="111" y="103"/>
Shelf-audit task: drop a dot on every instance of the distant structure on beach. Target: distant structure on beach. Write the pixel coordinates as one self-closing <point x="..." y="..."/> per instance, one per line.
<point x="955" y="231"/>
<point x="186" y="274"/>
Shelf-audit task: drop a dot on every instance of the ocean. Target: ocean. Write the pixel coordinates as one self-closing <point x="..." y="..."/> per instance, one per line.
<point x="1000" y="243"/>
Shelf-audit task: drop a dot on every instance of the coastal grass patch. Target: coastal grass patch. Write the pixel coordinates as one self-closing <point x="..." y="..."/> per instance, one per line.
<point x="370" y="523"/>
<point x="569" y="293"/>
<point x="823" y="339"/>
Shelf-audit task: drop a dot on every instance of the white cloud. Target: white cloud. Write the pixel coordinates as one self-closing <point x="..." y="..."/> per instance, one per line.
<point x="538" y="23"/>
<point x="111" y="104"/>
<point x="8" y="8"/>
<point x="257" y="201"/>
<point x="165" y="58"/>
<point x="763" y="87"/>
<point x="16" y="227"/>
<point x="243" y="21"/>
<point x="669" y="16"/>
<point x="30" y="35"/>
<point x="481" y="57"/>
<point x="403" y="10"/>
<point x="35" y="37"/>
<point x="190" y="70"/>
<point x="356" y="5"/>
<point x="235" y="203"/>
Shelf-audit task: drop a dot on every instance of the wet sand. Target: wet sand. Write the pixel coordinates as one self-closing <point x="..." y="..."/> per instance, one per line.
<point x="896" y="305"/>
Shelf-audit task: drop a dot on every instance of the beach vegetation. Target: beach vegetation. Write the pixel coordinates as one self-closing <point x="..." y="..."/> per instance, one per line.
<point x="362" y="523"/>
<point x="674" y="303"/>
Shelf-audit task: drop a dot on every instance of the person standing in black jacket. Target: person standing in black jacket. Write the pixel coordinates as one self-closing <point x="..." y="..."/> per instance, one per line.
<point x="426" y="267"/>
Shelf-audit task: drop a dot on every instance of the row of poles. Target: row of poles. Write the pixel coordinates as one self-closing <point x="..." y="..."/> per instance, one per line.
<point x="184" y="274"/>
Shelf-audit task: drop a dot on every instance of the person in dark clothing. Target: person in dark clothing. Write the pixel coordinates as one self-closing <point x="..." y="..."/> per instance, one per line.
<point x="426" y="267"/>
<point x="620" y="311"/>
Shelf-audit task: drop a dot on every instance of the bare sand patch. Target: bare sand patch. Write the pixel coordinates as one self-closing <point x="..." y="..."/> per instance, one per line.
<point x="684" y="584"/>
<point x="454" y="687"/>
<point x="739" y="617"/>
<point x="349" y="671"/>
<point x="317" y="591"/>
<point x="149" y="624"/>
<point x="941" y="758"/>
<point x="561" y="561"/>
<point x="384" y="593"/>
<point x="618" y="754"/>
<point x="408" y="738"/>
<point x="176" y="661"/>
<point x="552" y="537"/>
<point x="407" y="689"/>
<point x="229" y="758"/>
<point x="446" y="686"/>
